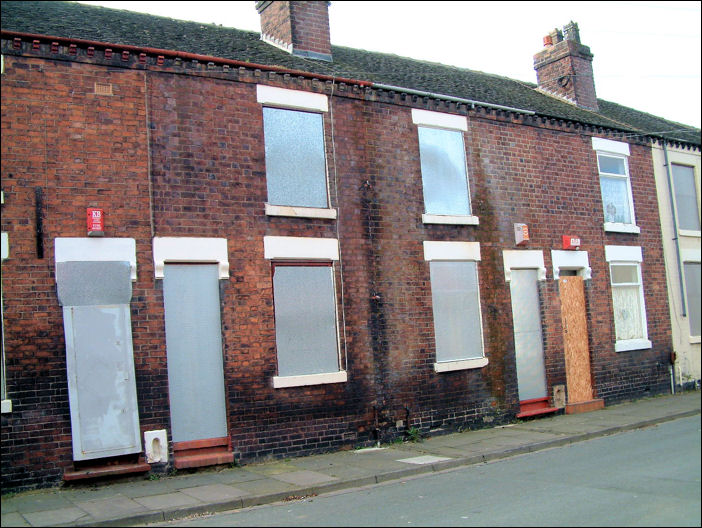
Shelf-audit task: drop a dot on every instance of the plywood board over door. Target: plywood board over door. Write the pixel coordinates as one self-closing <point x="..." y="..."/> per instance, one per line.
<point x="576" y="343"/>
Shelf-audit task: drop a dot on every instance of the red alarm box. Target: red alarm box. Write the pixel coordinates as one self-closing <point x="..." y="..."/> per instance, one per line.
<point x="96" y="222"/>
<point x="571" y="242"/>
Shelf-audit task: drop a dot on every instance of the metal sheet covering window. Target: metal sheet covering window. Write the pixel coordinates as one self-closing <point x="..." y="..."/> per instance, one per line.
<point x="694" y="300"/>
<point x="295" y="159"/>
<point x="456" y="306"/>
<point x="305" y="319"/>
<point x="444" y="176"/>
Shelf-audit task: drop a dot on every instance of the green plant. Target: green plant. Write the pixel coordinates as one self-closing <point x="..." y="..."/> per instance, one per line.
<point x="413" y="435"/>
<point x="154" y="476"/>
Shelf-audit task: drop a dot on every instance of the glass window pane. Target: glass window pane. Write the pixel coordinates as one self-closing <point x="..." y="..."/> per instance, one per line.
<point x="686" y="198"/>
<point x="626" y="274"/>
<point x="692" y="291"/>
<point x="443" y="161"/>
<point x="627" y="313"/>
<point x="456" y="306"/>
<point x="611" y="165"/>
<point x="295" y="162"/>
<point x="615" y="199"/>
<point x="305" y="320"/>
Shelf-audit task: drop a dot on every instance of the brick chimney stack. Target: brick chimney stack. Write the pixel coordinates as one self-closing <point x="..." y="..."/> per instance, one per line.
<point x="564" y="67"/>
<point x="301" y="28"/>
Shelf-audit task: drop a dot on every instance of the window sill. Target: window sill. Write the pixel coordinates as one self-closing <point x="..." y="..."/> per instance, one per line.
<point x="695" y="339"/>
<point x="690" y="233"/>
<point x="461" y="364"/>
<point x="281" y="382"/>
<point x="632" y="344"/>
<point x="621" y="228"/>
<point x="300" y="212"/>
<point x="6" y="406"/>
<point x="450" y="219"/>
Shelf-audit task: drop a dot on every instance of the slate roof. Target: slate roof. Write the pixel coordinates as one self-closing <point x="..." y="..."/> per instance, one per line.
<point x="79" y="21"/>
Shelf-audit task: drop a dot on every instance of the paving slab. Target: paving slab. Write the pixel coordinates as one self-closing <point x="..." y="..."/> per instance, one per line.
<point x="54" y="517"/>
<point x="167" y="501"/>
<point x="304" y="478"/>
<point x="232" y="476"/>
<point x="214" y="492"/>
<point x="13" y="519"/>
<point x="111" y="508"/>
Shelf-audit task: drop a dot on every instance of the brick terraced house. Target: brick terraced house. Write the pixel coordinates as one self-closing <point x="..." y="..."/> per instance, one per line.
<point x="220" y="245"/>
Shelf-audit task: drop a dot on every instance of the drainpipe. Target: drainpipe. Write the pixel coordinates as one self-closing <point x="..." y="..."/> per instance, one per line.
<point x="675" y="227"/>
<point x="673" y="208"/>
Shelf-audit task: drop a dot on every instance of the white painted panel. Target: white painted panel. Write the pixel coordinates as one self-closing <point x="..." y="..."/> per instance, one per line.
<point x="451" y="250"/>
<point x="280" y="247"/>
<point x="607" y="145"/>
<point x="291" y="98"/>
<point x="439" y="119"/>
<point x="623" y="254"/>
<point x="96" y="249"/>
<point x="191" y="249"/>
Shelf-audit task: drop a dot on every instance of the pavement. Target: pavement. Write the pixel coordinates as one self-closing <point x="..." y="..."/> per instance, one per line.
<point x="139" y="501"/>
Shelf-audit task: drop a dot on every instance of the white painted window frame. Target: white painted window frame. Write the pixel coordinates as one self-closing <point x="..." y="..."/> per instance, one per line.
<point x="463" y="252"/>
<point x="571" y="260"/>
<point x="629" y="255"/>
<point x="616" y="149"/>
<point x="284" y="248"/>
<point x="70" y="249"/>
<point x="6" y="405"/>
<point x="428" y="118"/>
<point x="287" y="99"/>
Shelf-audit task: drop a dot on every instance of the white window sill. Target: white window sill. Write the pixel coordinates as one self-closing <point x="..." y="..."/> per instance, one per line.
<point x="6" y="406"/>
<point x="689" y="233"/>
<point x="621" y="228"/>
<point x="462" y="364"/>
<point x="695" y="339"/>
<point x="280" y="382"/>
<point x="300" y="212"/>
<point x="632" y="344"/>
<point x="450" y="219"/>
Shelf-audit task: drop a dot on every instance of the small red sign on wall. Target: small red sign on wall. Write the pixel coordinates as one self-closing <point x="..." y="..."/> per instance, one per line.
<point x="571" y="242"/>
<point x="96" y="222"/>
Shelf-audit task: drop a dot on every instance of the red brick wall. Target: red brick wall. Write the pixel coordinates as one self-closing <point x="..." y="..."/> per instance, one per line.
<point x="206" y="178"/>
<point x="302" y="25"/>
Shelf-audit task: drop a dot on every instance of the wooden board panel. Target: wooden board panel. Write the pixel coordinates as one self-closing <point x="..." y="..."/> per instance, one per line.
<point x="575" y="340"/>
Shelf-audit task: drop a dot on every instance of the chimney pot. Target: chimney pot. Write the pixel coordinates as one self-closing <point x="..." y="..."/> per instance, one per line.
<point x="548" y="41"/>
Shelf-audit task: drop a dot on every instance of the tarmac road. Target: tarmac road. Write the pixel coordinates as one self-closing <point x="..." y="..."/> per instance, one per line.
<point x="646" y="477"/>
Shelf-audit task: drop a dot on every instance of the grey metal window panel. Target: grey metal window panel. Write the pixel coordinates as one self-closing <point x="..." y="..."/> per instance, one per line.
<point x="694" y="302"/>
<point x="305" y="320"/>
<point x="528" y="338"/>
<point x="101" y="384"/>
<point x="456" y="307"/>
<point x="295" y="160"/>
<point x="444" y="182"/>
<point x="194" y="351"/>
<point x="82" y="283"/>
<point x="686" y="198"/>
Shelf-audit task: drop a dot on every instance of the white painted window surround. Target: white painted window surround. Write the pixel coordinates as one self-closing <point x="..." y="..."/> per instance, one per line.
<point x="436" y="251"/>
<point x="523" y="259"/>
<point x="632" y="256"/>
<point x="571" y="260"/>
<point x="98" y="249"/>
<point x="284" y="248"/>
<point x="690" y="256"/>
<point x="6" y="403"/>
<point x="300" y="212"/>
<point x="190" y="249"/>
<point x="617" y="150"/>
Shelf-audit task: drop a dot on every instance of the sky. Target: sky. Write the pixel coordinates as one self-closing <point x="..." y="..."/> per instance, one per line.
<point x="646" y="54"/>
